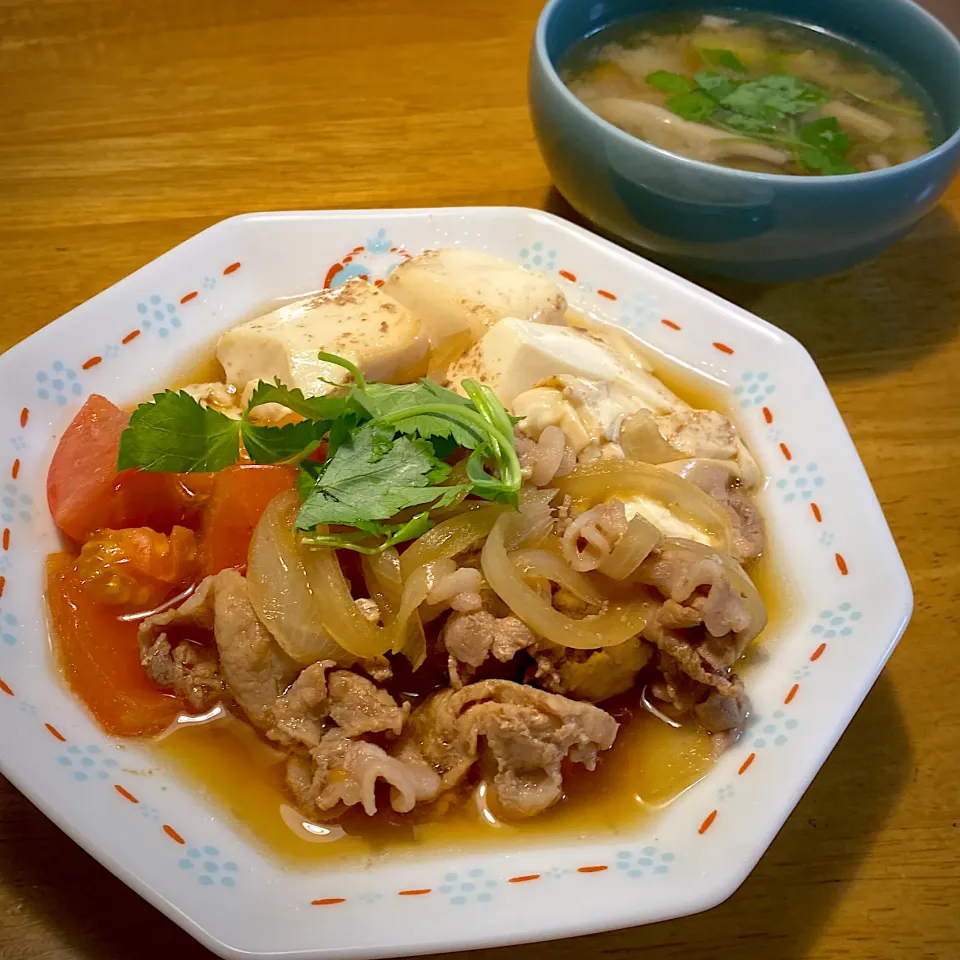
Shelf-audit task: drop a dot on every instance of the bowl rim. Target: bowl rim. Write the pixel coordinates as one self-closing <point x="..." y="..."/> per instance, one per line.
<point x="804" y="183"/>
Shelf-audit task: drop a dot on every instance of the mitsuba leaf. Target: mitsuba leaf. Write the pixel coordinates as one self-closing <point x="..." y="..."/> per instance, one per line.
<point x="313" y="408"/>
<point x="266" y="444"/>
<point x="715" y="84"/>
<point x="383" y="399"/>
<point x="825" y="134"/>
<point x="723" y="58"/>
<point x="667" y="82"/>
<point x="176" y="434"/>
<point x="360" y="483"/>
<point x="774" y="97"/>
<point x="696" y="106"/>
<point x="824" y="162"/>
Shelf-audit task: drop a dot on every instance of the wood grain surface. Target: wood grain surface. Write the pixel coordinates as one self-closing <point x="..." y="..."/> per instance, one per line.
<point x="128" y="125"/>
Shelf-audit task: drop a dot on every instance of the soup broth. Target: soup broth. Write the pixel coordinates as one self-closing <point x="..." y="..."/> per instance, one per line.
<point x="751" y="92"/>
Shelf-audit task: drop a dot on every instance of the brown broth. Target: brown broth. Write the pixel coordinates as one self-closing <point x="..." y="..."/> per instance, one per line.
<point x="648" y="767"/>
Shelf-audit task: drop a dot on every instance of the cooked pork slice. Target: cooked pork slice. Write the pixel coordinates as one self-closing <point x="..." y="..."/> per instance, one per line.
<point x="300" y="714"/>
<point x="188" y="666"/>
<point x="253" y="666"/>
<point x="718" y="714"/>
<point x="343" y="772"/>
<point x="704" y="624"/>
<point x="722" y="712"/>
<point x="686" y="650"/>
<point x="526" y="733"/>
<point x="686" y="577"/>
<point x="718" y="479"/>
<point x="188" y="669"/>
<point x="377" y="668"/>
<point x="319" y="699"/>
<point x="593" y="675"/>
<point x="472" y="637"/>
<point x="358" y="707"/>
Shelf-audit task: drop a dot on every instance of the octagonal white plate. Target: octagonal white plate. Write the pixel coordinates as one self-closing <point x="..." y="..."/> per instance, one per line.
<point x="851" y="602"/>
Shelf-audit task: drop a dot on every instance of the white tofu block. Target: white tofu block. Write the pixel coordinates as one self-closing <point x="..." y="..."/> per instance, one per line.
<point x="459" y="294"/>
<point x="355" y="321"/>
<point x="516" y="355"/>
<point x="667" y="522"/>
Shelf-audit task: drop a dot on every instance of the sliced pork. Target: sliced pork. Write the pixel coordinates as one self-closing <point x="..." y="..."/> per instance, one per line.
<point x="525" y="734"/>
<point x="342" y="772"/>
<point x="176" y="651"/>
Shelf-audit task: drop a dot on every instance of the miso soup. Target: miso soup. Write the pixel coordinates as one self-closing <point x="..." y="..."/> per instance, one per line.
<point x="752" y="92"/>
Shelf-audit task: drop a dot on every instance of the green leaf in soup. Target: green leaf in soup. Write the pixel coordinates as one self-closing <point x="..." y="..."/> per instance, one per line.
<point x="722" y="58"/>
<point x="748" y="125"/>
<point x="695" y="106"/>
<point x="825" y="162"/>
<point x="715" y="84"/>
<point x="774" y="97"/>
<point x="667" y="82"/>
<point x="825" y="134"/>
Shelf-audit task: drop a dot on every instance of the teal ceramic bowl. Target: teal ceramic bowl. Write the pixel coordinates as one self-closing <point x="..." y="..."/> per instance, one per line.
<point x="749" y="226"/>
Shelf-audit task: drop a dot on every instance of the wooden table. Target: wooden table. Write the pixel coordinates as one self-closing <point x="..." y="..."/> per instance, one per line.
<point x="128" y="125"/>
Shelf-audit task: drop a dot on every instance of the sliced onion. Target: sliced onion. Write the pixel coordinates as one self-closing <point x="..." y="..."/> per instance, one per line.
<point x="339" y="614"/>
<point x="381" y="573"/>
<point x="640" y="537"/>
<point x="551" y="566"/>
<point x="535" y="495"/>
<point x="538" y="523"/>
<point x="408" y="636"/>
<point x="739" y="580"/>
<point x="453" y="536"/>
<point x="279" y="589"/>
<point x="618" y="623"/>
<point x="599" y="481"/>
<point x="641" y="440"/>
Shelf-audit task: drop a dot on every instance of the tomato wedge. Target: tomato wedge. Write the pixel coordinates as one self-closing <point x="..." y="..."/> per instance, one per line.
<point x="239" y="496"/>
<point x="160" y="501"/>
<point x="84" y="468"/>
<point x="100" y="658"/>
<point x="85" y="492"/>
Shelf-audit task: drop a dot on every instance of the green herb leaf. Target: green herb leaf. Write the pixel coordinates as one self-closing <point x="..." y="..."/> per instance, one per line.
<point x="360" y="482"/>
<point x="696" y="106"/>
<point x="266" y="444"/>
<point x="723" y="58"/>
<point x="313" y="408"/>
<point x="825" y="134"/>
<point x="668" y="82"/>
<point x="393" y="534"/>
<point x="715" y="84"/>
<point x="825" y="162"/>
<point x="383" y="399"/>
<point x="744" y="124"/>
<point x="271" y="444"/>
<point x="176" y="434"/>
<point x="774" y="97"/>
<point x="351" y="368"/>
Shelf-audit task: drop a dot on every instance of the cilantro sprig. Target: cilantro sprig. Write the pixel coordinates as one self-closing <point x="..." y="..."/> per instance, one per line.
<point x="386" y="451"/>
<point x="764" y="109"/>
